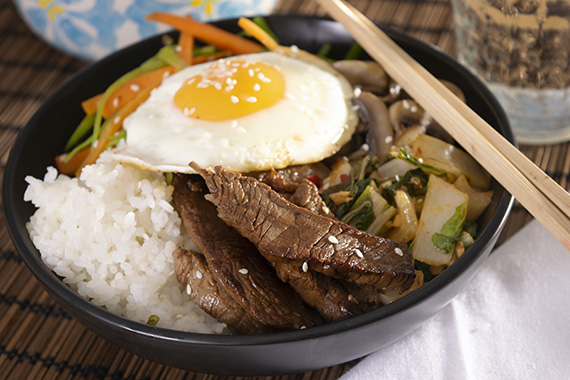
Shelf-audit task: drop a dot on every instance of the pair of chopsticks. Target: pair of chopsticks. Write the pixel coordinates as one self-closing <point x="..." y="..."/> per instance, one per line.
<point x="546" y="200"/>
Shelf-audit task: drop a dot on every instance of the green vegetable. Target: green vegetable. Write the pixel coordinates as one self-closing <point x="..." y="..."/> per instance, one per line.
<point x="80" y="132"/>
<point x="355" y="51"/>
<point x="169" y="55"/>
<point x="204" y="50"/>
<point x="153" y="320"/>
<point x="421" y="266"/>
<point x="451" y="230"/>
<point x="370" y="211"/>
<point x="260" y="21"/>
<point x="404" y="155"/>
<point x="415" y="182"/>
<point x="324" y="51"/>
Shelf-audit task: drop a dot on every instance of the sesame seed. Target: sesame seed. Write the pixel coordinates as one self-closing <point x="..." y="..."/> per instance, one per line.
<point x="365" y="147"/>
<point x="256" y="87"/>
<point x="188" y="289"/>
<point x="357" y="92"/>
<point x="243" y="271"/>
<point x="325" y="209"/>
<point x="234" y="99"/>
<point x="115" y="102"/>
<point x="294" y="49"/>
<point x="333" y="240"/>
<point x="398" y="251"/>
<point x="117" y="120"/>
<point x="420" y="160"/>
<point x="388" y="139"/>
<point x="135" y="87"/>
<point x="234" y="123"/>
<point x="251" y="99"/>
<point x="358" y="253"/>
<point x="302" y="327"/>
<point x="397" y="177"/>
<point x="198" y="274"/>
<point x="305" y="267"/>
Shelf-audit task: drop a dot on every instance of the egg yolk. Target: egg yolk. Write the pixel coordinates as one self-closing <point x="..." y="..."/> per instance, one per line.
<point x="230" y="89"/>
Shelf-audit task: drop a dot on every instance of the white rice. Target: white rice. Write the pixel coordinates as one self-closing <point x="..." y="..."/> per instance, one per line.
<point x="110" y="235"/>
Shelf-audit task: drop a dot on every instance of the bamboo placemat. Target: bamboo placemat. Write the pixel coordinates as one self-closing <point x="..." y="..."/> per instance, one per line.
<point x="38" y="340"/>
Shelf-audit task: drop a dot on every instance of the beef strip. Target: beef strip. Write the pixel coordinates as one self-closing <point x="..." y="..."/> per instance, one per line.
<point x="235" y="262"/>
<point x="287" y="180"/>
<point x="283" y="231"/>
<point x="192" y="270"/>
<point x="307" y="196"/>
<point x="326" y="294"/>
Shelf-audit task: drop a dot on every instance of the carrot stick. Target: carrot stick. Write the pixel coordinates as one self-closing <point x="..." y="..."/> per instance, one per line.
<point x="113" y="124"/>
<point x="127" y="91"/>
<point x="186" y="46"/>
<point x="90" y="105"/>
<point x="258" y="33"/>
<point x="69" y="167"/>
<point x="207" y="33"/>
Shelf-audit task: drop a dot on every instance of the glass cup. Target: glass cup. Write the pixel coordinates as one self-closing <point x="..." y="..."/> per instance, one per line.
<point x="521" y="49"/>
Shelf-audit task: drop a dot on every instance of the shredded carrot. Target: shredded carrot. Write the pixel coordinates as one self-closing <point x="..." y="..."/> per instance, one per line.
<point x="127" y="91"/>
<point x="211" y="57"/>
<point x="258" y="33"/>
<point x="90" y="105"/>
<point x="186" y="46"/>
<point x="114" y="123"/>
<point x="69" y="167"/>
<point x="207" y="33"/>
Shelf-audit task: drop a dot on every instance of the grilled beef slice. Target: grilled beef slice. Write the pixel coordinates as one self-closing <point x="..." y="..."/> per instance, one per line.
<point x="283" y="231"/>
<point x="326" y="294"/>
<point x="287" y="180"/>
<point x="192" y="270"/>
<point x="235" y="262"/>
<point x="307" y="196"/>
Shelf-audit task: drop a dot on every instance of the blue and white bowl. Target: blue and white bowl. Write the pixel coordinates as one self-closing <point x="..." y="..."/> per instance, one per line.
<point x="91" y="29"/>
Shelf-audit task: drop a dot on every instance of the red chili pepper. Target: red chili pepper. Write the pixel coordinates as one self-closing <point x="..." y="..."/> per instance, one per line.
<point x="344" y="178"/>
<point x="316" y="180"/>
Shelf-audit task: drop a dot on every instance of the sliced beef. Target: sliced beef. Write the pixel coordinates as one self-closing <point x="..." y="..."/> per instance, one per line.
<point x="287" y="180"/>
<point x="283" y="231"/>
<point x="326" y="294"/>
<point x="307" y="196"/>
<point x="192" y="270"/>
<point x="235" y="262"/>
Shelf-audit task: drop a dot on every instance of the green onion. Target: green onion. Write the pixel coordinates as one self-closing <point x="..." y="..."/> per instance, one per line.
<point x="81" y="131"/>
<point x="355" y="51"/>
<point x="260" y="21"/>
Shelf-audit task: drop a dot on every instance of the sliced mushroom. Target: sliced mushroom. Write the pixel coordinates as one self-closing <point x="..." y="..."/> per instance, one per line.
<point x="380" y="133"/>
<point x="407" y="113"/>
<point x="394" y="93"/>
<point x="368" y="75"/>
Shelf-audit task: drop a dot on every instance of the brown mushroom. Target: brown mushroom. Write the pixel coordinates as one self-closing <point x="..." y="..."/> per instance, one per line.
<point x="368" y="75"/>
<point x="407" y="113"/>
<point x="380" y="133"/>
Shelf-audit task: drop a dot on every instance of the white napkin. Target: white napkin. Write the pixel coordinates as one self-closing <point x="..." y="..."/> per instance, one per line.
<point x="511" y="322"/>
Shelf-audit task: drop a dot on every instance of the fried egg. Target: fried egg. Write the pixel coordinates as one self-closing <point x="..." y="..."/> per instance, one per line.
<point x="247" y="113"/>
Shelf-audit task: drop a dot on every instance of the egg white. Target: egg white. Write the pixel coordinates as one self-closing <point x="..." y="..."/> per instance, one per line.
<point x="314" y="119"/>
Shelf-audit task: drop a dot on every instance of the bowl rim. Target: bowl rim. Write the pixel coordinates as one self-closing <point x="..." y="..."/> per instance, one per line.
<point x="52" y="283"/>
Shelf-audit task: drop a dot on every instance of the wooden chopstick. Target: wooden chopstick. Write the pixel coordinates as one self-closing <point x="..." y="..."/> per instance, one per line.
<point x="545" y="199"/>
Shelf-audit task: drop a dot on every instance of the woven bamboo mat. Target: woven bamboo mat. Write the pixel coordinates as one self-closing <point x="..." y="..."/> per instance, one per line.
<point x="38" y="340"/>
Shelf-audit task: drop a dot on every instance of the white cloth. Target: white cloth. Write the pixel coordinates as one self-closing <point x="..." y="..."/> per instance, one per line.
<point x="511" y="322"/>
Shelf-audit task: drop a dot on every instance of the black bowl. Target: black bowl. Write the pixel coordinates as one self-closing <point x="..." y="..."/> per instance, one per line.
<point x="271" y="354"/>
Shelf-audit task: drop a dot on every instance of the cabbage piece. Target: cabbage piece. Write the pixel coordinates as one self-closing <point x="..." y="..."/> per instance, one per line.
<point x="369" y="212"/>
<point x="441" y="155"/>
<point x="442" y="216"/>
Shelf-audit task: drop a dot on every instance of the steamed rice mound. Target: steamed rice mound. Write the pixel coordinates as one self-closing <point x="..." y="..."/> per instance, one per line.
<point x="110" y="236"/>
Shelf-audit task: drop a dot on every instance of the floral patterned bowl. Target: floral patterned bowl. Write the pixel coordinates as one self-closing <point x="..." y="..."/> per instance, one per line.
<point x="91" y="29"/>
